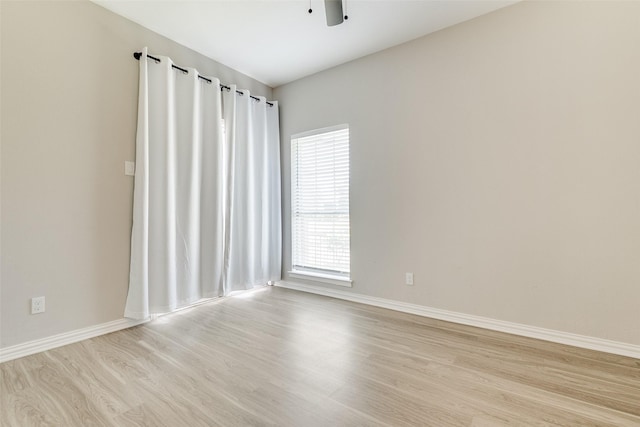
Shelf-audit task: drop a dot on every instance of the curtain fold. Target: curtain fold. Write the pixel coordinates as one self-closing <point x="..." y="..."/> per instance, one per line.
<point x="206" y="195"/>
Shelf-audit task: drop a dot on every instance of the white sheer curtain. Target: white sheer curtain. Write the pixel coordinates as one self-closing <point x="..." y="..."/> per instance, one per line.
<point x="206" y="214"/>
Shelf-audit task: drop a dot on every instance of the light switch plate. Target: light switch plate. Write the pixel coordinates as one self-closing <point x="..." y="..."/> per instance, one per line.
<point x="129" y="168"/>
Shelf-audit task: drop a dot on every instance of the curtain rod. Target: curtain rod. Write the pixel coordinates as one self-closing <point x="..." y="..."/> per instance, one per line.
<point x="137" y="55"/>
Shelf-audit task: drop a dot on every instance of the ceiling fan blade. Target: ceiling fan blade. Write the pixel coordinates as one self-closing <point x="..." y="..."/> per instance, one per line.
<point x="333" y="10"/>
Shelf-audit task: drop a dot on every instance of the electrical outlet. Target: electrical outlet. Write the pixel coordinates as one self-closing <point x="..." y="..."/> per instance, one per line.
<point x="408" y="278"/>
<point x="37" y="305"/>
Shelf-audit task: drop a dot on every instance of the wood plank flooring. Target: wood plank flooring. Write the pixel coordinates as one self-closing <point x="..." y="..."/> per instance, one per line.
<point x="277" y="357"/>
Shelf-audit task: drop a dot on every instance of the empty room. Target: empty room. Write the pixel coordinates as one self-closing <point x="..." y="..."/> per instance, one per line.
<point x="319" y="213"/>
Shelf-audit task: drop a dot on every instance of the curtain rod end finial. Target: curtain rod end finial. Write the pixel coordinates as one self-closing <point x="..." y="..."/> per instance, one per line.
<point x="137" y="55"/>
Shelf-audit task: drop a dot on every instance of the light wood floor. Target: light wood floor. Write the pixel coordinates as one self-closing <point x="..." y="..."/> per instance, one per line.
<point x="286" y="358"/>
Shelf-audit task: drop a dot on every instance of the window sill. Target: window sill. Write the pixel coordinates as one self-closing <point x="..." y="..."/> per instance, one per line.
<point x="324" y="278"/>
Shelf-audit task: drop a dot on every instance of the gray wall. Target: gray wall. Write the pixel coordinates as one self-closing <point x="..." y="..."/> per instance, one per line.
<point x="69" y="100"/>
<point x="498" y="160"/>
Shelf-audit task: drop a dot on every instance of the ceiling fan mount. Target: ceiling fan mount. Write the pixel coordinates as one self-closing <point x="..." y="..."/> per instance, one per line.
<point x="335" y="12"/>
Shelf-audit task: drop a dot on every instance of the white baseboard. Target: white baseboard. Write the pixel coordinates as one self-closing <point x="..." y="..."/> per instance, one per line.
<point x="591" y="343"/>
<point x="48" y="343"/>
<point x="560" y="337"/>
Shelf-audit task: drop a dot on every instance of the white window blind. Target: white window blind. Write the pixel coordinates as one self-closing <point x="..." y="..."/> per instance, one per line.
<point x="320" y="202"/>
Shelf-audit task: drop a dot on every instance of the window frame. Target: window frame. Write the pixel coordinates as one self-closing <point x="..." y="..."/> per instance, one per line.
<point x="318" y="275"/>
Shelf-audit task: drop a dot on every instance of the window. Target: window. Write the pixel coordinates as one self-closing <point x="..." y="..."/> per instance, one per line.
<point x="320" y="204"/>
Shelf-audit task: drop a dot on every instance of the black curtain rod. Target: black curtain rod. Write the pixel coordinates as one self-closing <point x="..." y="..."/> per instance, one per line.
<point x="138" y="55"/>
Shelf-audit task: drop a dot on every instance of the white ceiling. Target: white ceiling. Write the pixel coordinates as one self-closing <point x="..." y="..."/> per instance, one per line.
<point x="276" y="41"/>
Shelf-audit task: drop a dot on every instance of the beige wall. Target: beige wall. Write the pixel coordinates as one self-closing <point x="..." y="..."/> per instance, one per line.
<point x="498" y="160"/>
<point x="69" y="94"/>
